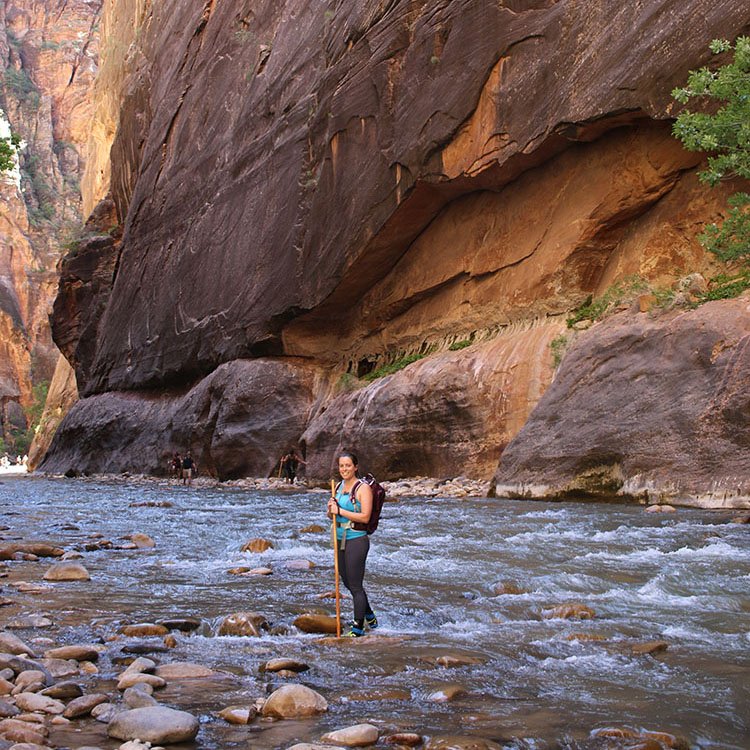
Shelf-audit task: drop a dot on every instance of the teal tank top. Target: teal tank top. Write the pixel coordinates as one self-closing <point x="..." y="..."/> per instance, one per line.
<point x="345" y="502"/>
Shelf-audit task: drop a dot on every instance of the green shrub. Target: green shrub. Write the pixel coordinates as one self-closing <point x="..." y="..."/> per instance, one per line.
<point x="9" y="148"/>
<point x="458" y="345"/>
<point x="723" y="131"/>
<point x="595" y="309"/>
<point x="558" y="346"/>
<point x="395" y="366"/>
<point x="726" y="286"/>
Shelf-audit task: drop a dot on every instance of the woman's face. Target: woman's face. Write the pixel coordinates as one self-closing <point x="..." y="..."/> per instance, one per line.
<point x="347" y="469"/>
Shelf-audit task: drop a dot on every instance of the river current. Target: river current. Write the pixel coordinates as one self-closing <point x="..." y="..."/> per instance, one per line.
<point x="434" y="563"/>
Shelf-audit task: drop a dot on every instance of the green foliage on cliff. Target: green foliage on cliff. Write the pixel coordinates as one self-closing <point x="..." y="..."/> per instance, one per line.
<point x="727" y="286"/>
<point x="394" y="366"/>
<point x="18" y="83"/>
<point x="622" y="292"/>
<point x="724" y="133"/>
<point x="8" y="151"/>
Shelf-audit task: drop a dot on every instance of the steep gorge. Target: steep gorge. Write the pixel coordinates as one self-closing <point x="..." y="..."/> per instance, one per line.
<point x="305" y="192"/>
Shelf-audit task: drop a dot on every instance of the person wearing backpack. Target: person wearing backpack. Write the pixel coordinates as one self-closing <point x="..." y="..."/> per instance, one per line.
<point x="353" y="507"/>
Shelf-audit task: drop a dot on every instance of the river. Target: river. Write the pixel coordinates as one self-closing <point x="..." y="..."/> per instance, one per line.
<point x="536" y="683"/>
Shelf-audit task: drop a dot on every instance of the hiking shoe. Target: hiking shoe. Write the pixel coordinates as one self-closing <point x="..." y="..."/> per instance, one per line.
<point x="371" y="621"/>
<point x="353" y="632"/>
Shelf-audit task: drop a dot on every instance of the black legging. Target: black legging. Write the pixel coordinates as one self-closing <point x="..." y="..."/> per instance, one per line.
<point x="352" y="568"/>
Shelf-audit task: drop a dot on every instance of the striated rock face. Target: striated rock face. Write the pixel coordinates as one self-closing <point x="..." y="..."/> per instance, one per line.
<point x="48" y="60"/>
<point x="652" y="407"/>
<point x="237" y="422"/>
<point x="325" y="190"/>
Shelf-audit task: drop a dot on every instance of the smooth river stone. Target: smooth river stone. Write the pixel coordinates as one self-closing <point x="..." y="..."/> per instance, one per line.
<point x="183" y="624"/>
<point x="67" y="571"/>
<point x="447" y="693"/>
<point x="410" y="739"/>
<point x="142" y="541"/>
<point x="294" y="702"/>
<point x="37" y="702"/>
<point x="22" y="731"/>
<point x="60" y="667"/>
<point x="141" y="664"/>
<point x="6" y="687"/>
<point x="64" y="691"/>
<point x="8" y="710"/>
<point x="460" y="742"/>
<point x="256" y="545"/>
<point x="238" y="714"/>
<point x="79" y="653"/>
<point x="134" y="678"/>
<point x="154" y="724"/>
<point x="29" y="621"/>
<point x="178" y="670"/>
<point x="359" y="735"/>
<point x="650" y="647"/>
<point x="277" y="665"/>
<point x="136" y="697"/>
<point x="84" y="705"/>
<point x="243" y="624"/>
<point x="29" y="677"/>
<point x="142" y="629"/>
<point x="12" y="644"/>
<point x="312" y="623"/>
<point x="571" y="611"/>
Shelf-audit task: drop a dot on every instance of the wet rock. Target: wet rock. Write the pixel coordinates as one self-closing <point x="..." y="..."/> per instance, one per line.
<point x="105" y="712"/>
<point x="39" y="549"/>
<point x="29" y="621"/>
<point x="243" y="624"/>
<point x="7" y="710"/>
<point x="28" y="680"/>
<point x="505" y="588"/>
<point x="64" y="691"/>
<point x="79" y="653"/>
<point x="142" y="541"/>
<point x="359" y="735"/>
<point x="574" y="610"/>
<point x="586" y="637"/>
<point x="181" y="670"/>
<point x="155" y="724"/>
<point x="135" y="678"/>
<point x="22" y="731"/>
<point x="457" y="660"/>
<point x="446" y="693"/>
<point x="153" y="646"/>
<point x="135" y="697"/>
<point x="313" y="746"/>
<point x="6" y="687"/>
<point x="377" y="694"/>
<point x="17" y="664"/>
<point x="170" y="641"/>
<point x="11" y="644"/>
<point x="238" y="571"/>
<point x="409" y="739"/>
<point x="238" y="714"/>
<point x="183" y="624"/>
<point x="665" y="739"/>
<point x="84" y="705"/>
<point x="141" y="664"/>
<point x="141" y="629"/>
<point x="60" y="667"/>
<point x="661" y="509"/>
<point x="256" y="545"/>
<point x="299" y="564"/>
<point x="312" y="623"/>
<point x="313" y="528"/>
<point x="294" y="702"/>
<point x="29" y="588"/>
<point x="67" y="571"/>
<point x="742" y="519"/>
<point x="650" y="647"/>
<point x="38" y="702"/>
<point x="460" y="742"/>
<point x="276" y="665"/>
<point x="88" y="667"/>
<point x="263" y="571"/>
<point x="27" y="746"/>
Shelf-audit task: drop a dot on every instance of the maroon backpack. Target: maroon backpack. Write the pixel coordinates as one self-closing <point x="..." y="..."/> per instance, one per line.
<point x="378" y="498"/>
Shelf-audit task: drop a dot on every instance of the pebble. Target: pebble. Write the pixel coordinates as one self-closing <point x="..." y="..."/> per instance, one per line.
<point x="29" y="621"/>
<point x="155" y="724"/>
<point x="141" y="664"/>
<point x="142" y="541"/>
<point x="60" y="667"/>
<point x="238" y="714"/>
<point x="7" y="710"/>
<point x="6" y="687"/>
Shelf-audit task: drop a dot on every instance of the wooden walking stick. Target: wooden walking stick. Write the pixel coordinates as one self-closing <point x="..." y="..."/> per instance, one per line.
<point x="336" y="566"/>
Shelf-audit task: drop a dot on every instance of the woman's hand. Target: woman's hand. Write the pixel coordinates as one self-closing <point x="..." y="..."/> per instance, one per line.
<point x="333" y="507"/>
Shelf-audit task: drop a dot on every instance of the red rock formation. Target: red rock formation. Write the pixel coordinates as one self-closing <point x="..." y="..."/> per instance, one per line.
<point x="649" y="406"/>
<point x="351" y="185"/>
<point x="48" y="54"/>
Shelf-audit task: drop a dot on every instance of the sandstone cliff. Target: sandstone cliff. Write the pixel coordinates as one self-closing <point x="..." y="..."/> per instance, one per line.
<point x="48" y="62"/>
<point x="327" y="189"/>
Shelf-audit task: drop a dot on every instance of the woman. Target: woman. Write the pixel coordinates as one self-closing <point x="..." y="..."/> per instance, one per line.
<point x="351" y="506"/>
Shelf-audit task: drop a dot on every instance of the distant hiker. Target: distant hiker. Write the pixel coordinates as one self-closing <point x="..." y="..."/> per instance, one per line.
<point x="352" y="505"/>
<point x="176" y="466"/>
<point x="188" y="467"/>
<point x="290" y="462"/>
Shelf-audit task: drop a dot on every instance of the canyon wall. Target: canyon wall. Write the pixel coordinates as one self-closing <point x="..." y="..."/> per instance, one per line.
<point x="48" y="64"/>
<point x="329" y="189"/>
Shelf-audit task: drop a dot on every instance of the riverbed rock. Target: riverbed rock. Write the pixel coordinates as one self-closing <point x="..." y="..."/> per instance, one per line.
<point x="64" y="691"/>
<point x="23" y="731"/>
<point x="59" y="668"/>
<point x="257" y="545"/>
<point x="38" y="702"/>
<point x="299" y="564"/>
<point x="78" y="652"/>
<point x="12" y="644"/>
<point x="139" y="696"/>
<point x="29" y="621"/>
<point x="262" y="571"/>
<point x="184" y="670"/>
<point x="448" y="692"/>
<point x="142" y="541"/>
<point x="19" y="664"/>
<point x="359" y="735"/>
<point x="573" y="610"/>
<point x="457" y="660"/>
<point x="141" y="664"/>
<point x="650" y="647"/>
<point x="30" y="680"/>
<point x="105" y="712"/>
<point x="183" y="624"/>
<point x="314" y="623"/>
<point x="84" y="705"/>
<point x="294" y="702"/>
<point x="292" y="665"/>
<point x="6" y="687"/>
<point x="662" y="508"/>
<point x="142" y="629"/>
<point x="67" y="571"/>
<point x="135" y="678"/>
<point x="243" y="624"/>
<point x="155" y="724"/>
<point x="8" y="710"/>
<point x="313" y="528"/>
<point x="409" y="739"/>
<point x="508" y="588"/>
<point x="8" y="551"/>
<point x="238" y="714"/>
<point x="460" y="742"/>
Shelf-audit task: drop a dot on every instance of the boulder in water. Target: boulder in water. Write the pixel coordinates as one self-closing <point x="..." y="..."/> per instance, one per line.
<point x="459" y="742"/>
<point x="154" y="724"/>
<point x="238" y="714"/>
<point x="312" y="623"/>
<point x="359" y="735"/>
<point x="650" y="647"/>
<point x="574" y="610"/>
<point x="277" y="665"/>
<point x="67" y="571"/>
<point x="142" y="541"/>
<point x="445" y="693"/>
<point x="143" y="629"/>
<point x="294" y="702"/>
<point x="243" y="624"/>
<point x="11" y="644"/>
<point x="183" y="670"/>
<point x="38" y="703"/>
<point x="409" y="739"/>
<point x="84" y="705"/>
<point x="256" y="545"/>
<point x="78" y="653"/>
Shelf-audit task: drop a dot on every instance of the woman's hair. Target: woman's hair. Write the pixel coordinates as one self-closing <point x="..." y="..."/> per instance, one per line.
<point x="349" y="454"/>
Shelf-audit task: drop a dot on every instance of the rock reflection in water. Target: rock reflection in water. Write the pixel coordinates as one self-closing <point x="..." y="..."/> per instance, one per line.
<point x="532" y="621"/>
